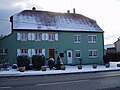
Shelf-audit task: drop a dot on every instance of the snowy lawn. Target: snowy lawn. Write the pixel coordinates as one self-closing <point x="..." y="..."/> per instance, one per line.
<point x="69" y="69"/>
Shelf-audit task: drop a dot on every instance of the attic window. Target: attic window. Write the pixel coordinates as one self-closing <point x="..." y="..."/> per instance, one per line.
<point x="33" y="8"/>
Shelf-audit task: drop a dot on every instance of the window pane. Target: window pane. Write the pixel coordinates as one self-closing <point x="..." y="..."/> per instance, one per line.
<point x="77" y="54"/>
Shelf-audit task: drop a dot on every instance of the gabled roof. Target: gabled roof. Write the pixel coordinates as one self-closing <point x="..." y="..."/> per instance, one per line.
<point x="44" y="20"/>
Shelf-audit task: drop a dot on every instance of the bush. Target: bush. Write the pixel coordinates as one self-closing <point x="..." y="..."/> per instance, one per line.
<point x="51" y="63"/>
<point x="23" y="61"/>
<point x="38" y="61"/>
<point x="59" y="63"/>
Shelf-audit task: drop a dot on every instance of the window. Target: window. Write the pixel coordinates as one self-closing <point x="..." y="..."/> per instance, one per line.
<point x="24" y="36"/>
<point x="51" y="37"/>
<point x="24" y="51"/>
<point x="92" y="38"/>
<point x="77" y="54"/>
<point x="93" y="53"/>
<point x="3" y="51"/>
<point x="77" y="38"/>
<point x="61" y="54"/>
<point x="38" y="36"/>
<point x="38" y="51"/>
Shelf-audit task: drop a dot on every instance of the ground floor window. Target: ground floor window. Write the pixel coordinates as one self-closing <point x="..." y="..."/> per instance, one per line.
<point x="3" y="51"/>
<point x="77" y="54"/>
<point x="93" y="53"/>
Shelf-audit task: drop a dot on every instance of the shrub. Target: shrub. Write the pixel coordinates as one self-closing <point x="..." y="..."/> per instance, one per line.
<point x="38" y="61"/>
<point x="51" y="63"/>
<point x="23" y="61"/>
<point x="59" y="63"/>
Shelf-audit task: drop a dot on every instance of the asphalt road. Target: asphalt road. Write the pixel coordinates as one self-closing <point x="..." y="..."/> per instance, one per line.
<point x="87" y="81"/>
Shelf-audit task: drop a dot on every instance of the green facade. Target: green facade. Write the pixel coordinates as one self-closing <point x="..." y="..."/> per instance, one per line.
<point x="65" y="42"/>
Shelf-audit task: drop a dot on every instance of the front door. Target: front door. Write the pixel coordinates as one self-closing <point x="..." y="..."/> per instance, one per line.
<point x="52" y="53"/>
<point x="69" y="56"/>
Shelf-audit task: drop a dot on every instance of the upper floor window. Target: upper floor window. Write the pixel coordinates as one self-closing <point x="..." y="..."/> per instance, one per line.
<point x="92" y="38"/>
<point x="77" y="38"/>
<point x="93" y="53"/>
<point x="38" y="36"/>
<point x="51" y="37"/>
<point x="24" y="36"/>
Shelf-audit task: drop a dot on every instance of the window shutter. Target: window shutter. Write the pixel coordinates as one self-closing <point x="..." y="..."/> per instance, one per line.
<point x="33" y="36"/>
<point x="29" y="36"/>
<point x="33" y="51"/>
<point x="43" y="52"/>
<point x="47" y="36"/>
<point x="18" y="36"/>
<point x="43" y="36"/>
<point x="56" y="36"/>
<point x="29" y="52"/>
<point x="18" y="52"/>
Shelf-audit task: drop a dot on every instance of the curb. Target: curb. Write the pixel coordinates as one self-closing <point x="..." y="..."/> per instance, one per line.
<point x="19" y="75"/>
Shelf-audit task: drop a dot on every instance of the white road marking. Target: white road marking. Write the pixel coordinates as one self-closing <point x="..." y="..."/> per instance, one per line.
<point x="5" y="87"/>
<point x="45" y="84"/>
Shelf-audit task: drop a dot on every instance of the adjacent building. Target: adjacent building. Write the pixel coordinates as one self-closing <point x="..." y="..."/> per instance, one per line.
<point x="70" y="35"/>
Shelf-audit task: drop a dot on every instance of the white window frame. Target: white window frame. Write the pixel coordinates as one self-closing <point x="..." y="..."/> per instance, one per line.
<point x="94" y="53"/>
<point x="77" y="38"/>
<point x="38" y="51"/>
<point x="24" y="51"/>
<point x="23" y="36"/>
<point x="76" y="53"/>
<point x="3" y="51"/>
<point x="51" y="36"/>
<point x="92" y="40"/>
<point x="38" y="36"/>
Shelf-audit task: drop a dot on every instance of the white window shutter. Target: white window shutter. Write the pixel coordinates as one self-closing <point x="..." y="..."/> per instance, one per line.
<point x="47" y="36"/>
<point x="18" y="52"/>
<point x="33" y="51"/>
<point x="29" y="52"/>
<point x="33" y="36"/>
<point x="29" y="36"/>
<point x="56" y="36"/>
<point x="43" y="36"/>
<point x="18" y="36"/>
<point x="43" y="52"/>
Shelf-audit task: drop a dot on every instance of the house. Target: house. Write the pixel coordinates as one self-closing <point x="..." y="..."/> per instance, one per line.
<point x="117" y="45"/>
<point x="70" y="35"/>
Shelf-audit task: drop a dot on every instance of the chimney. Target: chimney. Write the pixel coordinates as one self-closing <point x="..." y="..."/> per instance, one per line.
<point x="33" y="8"/>
<point x="68" y="11"/>
<point x="74" y="10"/>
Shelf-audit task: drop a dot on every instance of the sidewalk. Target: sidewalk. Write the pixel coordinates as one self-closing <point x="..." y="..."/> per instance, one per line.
<point x="69" y="69"/>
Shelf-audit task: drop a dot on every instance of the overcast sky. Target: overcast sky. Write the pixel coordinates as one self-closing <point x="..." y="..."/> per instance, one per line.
<point x="105" y="12"/>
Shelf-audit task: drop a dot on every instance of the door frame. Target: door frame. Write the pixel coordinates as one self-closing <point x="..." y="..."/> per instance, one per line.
<point x="49" y="52"/>
<point x="70" y="60"/>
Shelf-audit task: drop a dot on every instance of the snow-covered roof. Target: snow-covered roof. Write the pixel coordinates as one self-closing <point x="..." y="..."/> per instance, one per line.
<point x="44" y="20"/>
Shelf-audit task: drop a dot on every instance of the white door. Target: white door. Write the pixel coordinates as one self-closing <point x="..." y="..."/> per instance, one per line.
<point x="69" y="56"/>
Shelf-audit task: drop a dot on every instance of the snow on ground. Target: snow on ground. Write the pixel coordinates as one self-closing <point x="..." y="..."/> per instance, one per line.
<point x="69" y="69"/>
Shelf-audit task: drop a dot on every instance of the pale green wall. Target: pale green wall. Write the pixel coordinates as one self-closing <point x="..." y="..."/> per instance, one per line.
<point x="66" y="42"/>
